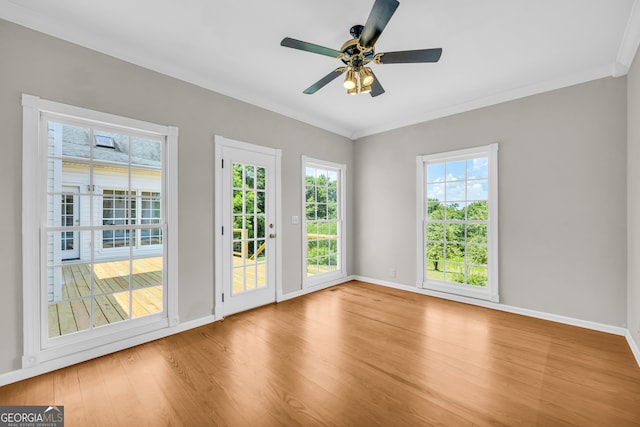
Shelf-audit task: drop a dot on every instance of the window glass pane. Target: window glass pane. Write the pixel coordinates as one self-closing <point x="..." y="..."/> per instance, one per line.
<point x="321" y="194"/>
<point x="63" y="172"/>
<point x="260" y="203"/>
<point x="454" y="272"/>
<point x="455" y="191"/>
<point x="477" y="233"/>
<point x="478" y="168"/>
<point x="111" y="276"/>
<point x="434" y="270"/>
<point x="435" y="232"/>
<point x="261" y="179"/>
<point x="435" y="192"/>
<point x="332" y="211"/>
<point x="238" y="205"/>
<point x="310" y="175"/>
<point x="312" y="229"/>
<point x="261" y="231"/>
<point x="454" y="252"/>
<point x="332" y="194"/>
<point x="477" y="276"/>
<point x="116" y="152"/>
<point x="478" y="211"/>
<point x="68" y="316"/>
<point x="69" y="141"/>
<point x="238" y="175"/>
<point x="311" y="211"/>
<point x="456" y="211"/>
<point x="249" y="202"/>
<point x="477" y="254"/>
<point x="435" y="172"/>
<point x="321" y="211"/>
<point x="435" y="209"/>
<point x="332" y="179"/>
<point x="455" y="232"/>
<point x="456" y="170"/>
<point x="146" y="152"/>
<point x="249" y="179"/>
<point x="311" y="194"/>
<point x="107" y="309"/>
<point x="261" y="253"/>
<point x="478" y="190"/>
<point x="435" y="251"/>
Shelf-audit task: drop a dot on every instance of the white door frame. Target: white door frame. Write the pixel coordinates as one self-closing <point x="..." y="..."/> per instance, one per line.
<point x="220" y="144"/>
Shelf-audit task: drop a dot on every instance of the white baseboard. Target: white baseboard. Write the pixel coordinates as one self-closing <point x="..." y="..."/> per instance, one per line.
<point x="602" y="327"/>
<point x="635" y="348"/>
<point x="315" y="288"/>
<point x="62" y="362"/>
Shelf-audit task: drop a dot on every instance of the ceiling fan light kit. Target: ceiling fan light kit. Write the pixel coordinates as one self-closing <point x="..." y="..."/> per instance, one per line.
<point x="358" y="52"/>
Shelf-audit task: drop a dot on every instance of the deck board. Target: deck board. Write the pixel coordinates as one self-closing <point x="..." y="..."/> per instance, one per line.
<point x="111" y="290"/>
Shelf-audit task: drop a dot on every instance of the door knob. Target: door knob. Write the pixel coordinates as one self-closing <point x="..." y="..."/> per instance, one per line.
<point x="272" y="236"/>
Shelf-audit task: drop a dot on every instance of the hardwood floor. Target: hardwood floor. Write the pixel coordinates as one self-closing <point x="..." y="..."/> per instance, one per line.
<point x="354" y="355"/>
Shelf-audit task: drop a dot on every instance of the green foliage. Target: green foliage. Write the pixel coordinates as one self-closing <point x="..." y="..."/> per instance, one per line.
<point x="249" y="207"/>
<point x="321" y="196"/>
<point x="450" y="238"/>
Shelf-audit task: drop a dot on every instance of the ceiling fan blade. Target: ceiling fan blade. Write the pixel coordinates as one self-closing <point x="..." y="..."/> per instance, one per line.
<point x="381" y="13"/>
<point x="309" y="47"/>
<point x="411" y="56"/>
<point x="324" y="81"/>
<point x="376" y="87"/>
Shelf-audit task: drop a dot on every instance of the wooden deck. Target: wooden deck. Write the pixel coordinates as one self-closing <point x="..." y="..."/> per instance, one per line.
<point x="112" y="301"/>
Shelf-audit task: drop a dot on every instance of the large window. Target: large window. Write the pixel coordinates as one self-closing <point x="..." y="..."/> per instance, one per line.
<point x="457" y="222"/>
<point x="99" y="197"/>
<point x="323" y="223"/>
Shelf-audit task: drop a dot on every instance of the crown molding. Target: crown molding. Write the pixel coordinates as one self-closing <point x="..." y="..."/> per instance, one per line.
<point x="630" y="42"/>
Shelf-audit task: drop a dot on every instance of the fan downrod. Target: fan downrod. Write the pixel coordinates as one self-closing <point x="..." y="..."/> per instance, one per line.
<point x="356" y="30"/>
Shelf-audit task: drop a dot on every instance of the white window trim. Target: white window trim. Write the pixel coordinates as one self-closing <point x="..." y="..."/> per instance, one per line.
<point x="490" y="293"/>
<point x="83" y="347"/>
<point x="332" y="276"/>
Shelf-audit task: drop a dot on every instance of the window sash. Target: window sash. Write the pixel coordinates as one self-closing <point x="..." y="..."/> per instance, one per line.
<point x="323" y="226"/>
<point x="444" y="249"/>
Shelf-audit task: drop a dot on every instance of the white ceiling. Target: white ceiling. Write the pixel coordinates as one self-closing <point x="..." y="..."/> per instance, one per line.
<point x="493" y="50"/>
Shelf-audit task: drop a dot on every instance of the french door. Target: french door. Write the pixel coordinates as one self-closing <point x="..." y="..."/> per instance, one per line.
<point x="247" y="227"/>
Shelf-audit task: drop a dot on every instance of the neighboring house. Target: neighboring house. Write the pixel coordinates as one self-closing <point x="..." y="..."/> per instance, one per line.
<point x="101" y="179"/>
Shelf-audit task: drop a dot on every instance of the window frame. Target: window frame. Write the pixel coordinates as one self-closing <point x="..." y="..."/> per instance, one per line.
<point x="339" y="274"/>
<point x="38" y="347"/>
<point x="491" y="292"/>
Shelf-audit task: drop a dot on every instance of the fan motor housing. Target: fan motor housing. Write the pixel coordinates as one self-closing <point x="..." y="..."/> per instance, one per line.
<point x="352" y="54"/>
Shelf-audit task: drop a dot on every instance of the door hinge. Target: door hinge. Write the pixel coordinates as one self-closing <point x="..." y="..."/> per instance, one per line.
<point x="223" y="297"/>
<point x="223" y="230"/>
<point x="222" y="163"/>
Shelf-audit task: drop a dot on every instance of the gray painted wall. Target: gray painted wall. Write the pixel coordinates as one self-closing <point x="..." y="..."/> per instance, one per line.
<point x="562" y="198"/>
<point x="633" y="189"/>
<point x="56" y="70"/>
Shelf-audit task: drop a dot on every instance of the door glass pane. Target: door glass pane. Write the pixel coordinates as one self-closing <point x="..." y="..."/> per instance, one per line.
<point x="249" y="228"/>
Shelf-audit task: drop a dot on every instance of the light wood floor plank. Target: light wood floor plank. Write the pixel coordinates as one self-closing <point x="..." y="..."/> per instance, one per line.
<point x="355" y="355"/>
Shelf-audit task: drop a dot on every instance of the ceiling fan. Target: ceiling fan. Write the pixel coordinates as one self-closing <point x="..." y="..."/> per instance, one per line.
<point x="359" y="52"/>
